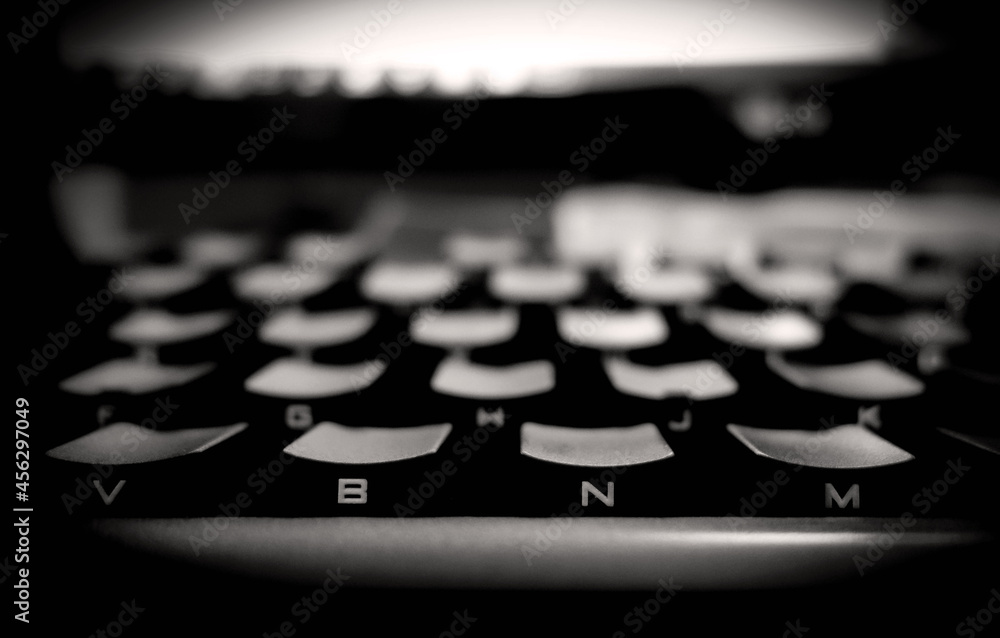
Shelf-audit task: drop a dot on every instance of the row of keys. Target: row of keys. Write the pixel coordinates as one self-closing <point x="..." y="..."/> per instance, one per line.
<point x="839" y="447"/>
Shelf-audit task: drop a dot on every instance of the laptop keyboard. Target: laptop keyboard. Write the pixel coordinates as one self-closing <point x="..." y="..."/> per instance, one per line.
<point x="662" y="372"/>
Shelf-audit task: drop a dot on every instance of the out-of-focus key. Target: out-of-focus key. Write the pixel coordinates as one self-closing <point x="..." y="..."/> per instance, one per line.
<point x="674" y="286"/>
<point x="328" y="251"/>
<point x="459" y="377"/>
<point x="297" y="329"/>
<point x="798" y="284"/>
<point x="473" y="328"/>
<point x="150" y="282"/>
<point x="594" y="447"/>
<point x="219" y="250"/>
<point x="524" y="284"/>
<point x="129" y="444"/>
<point x="766" y="330"/>
<point x="697" y="380"/>
<point x="295" y="378"/>
<point x="871" y="380"/>
<point x="334" y="443"/>
<point x="282" y="282"/>
<point x="148" y="326"/>
<point x="482" y="251"/>
<point x="839" y="447"/>
<point x="617" y="330"/>
<point x="894" y="328"/>
<point x="407" y="284"/>
<point x="133" y="376"/>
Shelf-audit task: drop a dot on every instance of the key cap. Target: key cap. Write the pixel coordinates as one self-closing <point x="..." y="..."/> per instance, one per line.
<point x="334" y="443"/>
<point x="536" y="284"/>
<point x="871" y="380"/>
<point x="219" y="250"/>
<point x="594" y="471"/>
<point x="280" y="282"/>
<point x="133" y="376"/>
<point x="128" y="444"/>
<point x="300" y="330"/>
<point x="295" y="378"/>
<point x="779" y="329"/>
<point x="473" y="328"/>
<point x="594" y="447"/>
<point x="617" y="329"/>
<point x="482" y="251"/>
<point x="151" y="282"/>
<point x="891" y="329"/>
<point x="699" y="380"/>
<point x="333" y="252"/>
<point x="674" y="286"/>
<point x="408" y="284"/>
<point x="457" y="376"/>
<point x="988" y="443"/>
<point x="150" y="327"/>
<point x="840" y="447"/>
<point x="145" y="470"/>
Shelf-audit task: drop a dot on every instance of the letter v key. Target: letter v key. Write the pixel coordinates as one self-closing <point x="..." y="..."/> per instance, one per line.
<point x="108" y="498"/>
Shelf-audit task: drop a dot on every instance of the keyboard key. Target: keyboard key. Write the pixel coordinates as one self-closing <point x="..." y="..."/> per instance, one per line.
<point x="147" y="326"/>
<point x="280" y="283"/>
<point x="474" y="328"/>
<point x="797" y="284"/>
<point x="674" y="286"/>
<point x="334" y="443"/>
<point x="219" y="250"/>
<point x="133" y="376"/>
<point x="296" y="378"/>
<point x="541" y="284"/>
<point x="594" y="447"/>
<point x="840" y="447"/>
<point x="408" y="284"/>
<point x="871" y="380"/>
<point x="457" y="376"/>
<point x="297" y="329"/>
<point x="129" y="444"/>
<point x="328" y="251"/>
<point x="893" y="328"/>
<point x="618" y="329"/>
<point x="698" y="380"/>
<point x="158" y="282"/>
<point x="482" y="251"/>
<point x="778" y="329"/>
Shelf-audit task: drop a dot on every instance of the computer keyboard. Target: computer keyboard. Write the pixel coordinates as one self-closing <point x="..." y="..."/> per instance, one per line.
<point x="262" y="402"/>
<point x="716" y="394"/>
